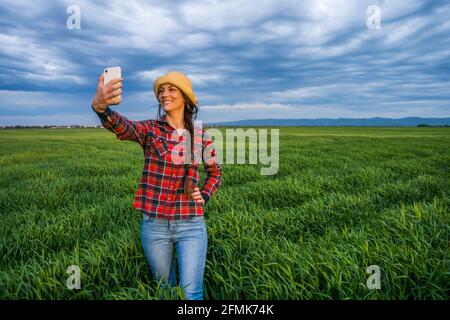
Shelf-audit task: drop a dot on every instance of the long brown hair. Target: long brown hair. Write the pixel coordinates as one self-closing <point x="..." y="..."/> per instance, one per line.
<point x="190" y="114"/>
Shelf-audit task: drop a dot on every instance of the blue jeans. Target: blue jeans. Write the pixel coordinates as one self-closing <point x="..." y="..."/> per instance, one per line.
<point x="190" y="238"/>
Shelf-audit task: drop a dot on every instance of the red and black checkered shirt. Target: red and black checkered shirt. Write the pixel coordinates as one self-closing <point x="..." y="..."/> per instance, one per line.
<point x="160" y="193"/>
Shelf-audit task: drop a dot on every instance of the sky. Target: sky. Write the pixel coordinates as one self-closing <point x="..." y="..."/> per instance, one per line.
<point x="247" y="59"/>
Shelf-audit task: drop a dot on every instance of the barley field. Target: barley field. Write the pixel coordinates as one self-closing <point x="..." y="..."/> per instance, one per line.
<point x="344" y="199"/>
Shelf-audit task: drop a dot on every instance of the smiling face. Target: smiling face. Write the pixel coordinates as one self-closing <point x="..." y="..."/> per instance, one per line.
<point x="171" y="98"/>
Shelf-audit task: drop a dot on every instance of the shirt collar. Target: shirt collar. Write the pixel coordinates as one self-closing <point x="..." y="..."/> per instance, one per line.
<point x="165" y="125"/>
<point x="163" y="119"/>
<point x="163" y="122"/>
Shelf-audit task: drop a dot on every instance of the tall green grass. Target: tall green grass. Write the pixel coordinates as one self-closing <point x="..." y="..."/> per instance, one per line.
<point x="343" y="199"/>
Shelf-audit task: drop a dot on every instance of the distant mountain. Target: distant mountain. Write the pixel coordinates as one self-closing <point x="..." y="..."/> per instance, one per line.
<point x="382" y="122"/>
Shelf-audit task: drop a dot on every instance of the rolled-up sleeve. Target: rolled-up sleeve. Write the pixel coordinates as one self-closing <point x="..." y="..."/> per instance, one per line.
<point x="123" y="128"/>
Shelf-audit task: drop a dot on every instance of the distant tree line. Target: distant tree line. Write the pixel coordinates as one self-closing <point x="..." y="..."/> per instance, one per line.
<point x="428" y="125"/>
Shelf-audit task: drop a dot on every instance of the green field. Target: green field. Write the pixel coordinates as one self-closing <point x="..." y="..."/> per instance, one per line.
<point x="343" y="199"/>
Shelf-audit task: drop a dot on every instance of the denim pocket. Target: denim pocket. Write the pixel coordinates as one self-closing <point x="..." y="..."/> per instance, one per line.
<point x="196" y="219"/>
<point x="147" y="218"/>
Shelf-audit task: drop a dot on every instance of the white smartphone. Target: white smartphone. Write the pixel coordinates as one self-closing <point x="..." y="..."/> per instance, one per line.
<point x="111" y="73"/>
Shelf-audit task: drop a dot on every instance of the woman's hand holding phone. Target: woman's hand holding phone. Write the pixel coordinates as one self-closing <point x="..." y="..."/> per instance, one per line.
<point x="107" y="94"/>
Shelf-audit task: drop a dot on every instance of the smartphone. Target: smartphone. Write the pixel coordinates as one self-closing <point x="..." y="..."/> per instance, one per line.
<point x="111" y="73"/>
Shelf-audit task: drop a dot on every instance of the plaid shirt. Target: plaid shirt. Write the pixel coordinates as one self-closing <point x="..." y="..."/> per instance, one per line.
<point x="160" y="191"/>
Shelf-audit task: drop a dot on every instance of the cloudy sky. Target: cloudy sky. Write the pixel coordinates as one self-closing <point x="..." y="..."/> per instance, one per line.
<point x="247" y="59"/>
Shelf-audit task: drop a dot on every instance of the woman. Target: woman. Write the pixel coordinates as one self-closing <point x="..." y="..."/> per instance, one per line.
<point x="168" y="196"/>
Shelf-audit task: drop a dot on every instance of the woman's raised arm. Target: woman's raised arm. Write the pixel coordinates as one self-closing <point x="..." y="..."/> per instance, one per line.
<point x="111" y="94"/>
